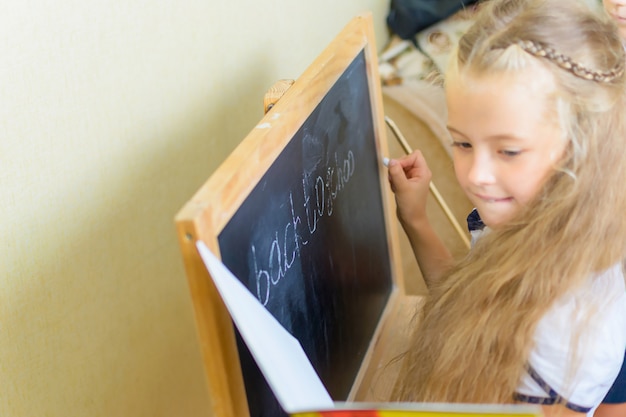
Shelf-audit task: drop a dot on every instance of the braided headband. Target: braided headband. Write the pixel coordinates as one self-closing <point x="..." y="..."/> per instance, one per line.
<point x="566" y="63"/>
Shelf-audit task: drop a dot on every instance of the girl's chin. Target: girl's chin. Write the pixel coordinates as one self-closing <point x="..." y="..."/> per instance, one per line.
<point x="493" y="222"/>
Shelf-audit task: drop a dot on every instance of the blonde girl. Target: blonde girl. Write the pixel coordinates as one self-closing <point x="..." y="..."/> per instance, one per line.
<point x="536" y="312"/>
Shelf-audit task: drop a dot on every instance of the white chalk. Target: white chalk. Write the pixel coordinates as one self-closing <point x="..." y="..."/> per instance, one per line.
<point x="385" y="161"/>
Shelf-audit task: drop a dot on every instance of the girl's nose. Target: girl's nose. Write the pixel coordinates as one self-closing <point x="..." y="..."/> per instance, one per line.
<point x="481" y="171"/>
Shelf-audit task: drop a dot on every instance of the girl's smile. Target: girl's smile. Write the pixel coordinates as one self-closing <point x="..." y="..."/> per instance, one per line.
<point x="493" y="199"/>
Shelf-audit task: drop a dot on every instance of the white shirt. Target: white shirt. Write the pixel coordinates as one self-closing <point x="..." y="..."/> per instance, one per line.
<point x="579" y="343"/>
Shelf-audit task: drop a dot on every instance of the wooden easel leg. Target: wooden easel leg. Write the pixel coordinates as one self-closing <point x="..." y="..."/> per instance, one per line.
<point x="432" y="187"/>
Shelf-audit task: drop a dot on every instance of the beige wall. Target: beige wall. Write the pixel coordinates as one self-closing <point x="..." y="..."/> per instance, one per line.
<point x="112" y="113"/>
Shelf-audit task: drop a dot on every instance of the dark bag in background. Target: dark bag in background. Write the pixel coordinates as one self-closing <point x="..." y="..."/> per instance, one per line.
<point x="407" y="17"/>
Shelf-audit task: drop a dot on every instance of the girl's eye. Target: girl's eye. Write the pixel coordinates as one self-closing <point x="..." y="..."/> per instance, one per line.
<point x="462" y="145"/>
<point x="510" y="152"/>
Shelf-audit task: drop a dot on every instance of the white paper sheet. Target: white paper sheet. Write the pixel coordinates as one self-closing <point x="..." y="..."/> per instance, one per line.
<point x="278" y="354"/>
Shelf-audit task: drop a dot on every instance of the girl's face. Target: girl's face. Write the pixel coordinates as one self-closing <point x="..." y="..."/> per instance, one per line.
<point x="506" y="140"/>
<point x="617" y="10"/>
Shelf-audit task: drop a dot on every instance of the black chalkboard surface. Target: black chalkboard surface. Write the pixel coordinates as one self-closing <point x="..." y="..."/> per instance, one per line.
<point x="310" y="242"/>
<point x="302" y="214"/>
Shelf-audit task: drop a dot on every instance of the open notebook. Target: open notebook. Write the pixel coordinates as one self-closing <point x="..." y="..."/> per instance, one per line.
<point x="290" y="374"/>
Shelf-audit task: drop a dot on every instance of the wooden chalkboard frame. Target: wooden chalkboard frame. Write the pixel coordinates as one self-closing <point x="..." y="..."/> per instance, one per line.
<point x="205" y="215"/>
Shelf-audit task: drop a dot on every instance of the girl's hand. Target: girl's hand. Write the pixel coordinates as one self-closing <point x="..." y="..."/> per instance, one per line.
<point x="409" y="177"/>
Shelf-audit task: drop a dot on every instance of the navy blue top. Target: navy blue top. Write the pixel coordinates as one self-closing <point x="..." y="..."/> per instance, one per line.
<point x="617" y="393"/>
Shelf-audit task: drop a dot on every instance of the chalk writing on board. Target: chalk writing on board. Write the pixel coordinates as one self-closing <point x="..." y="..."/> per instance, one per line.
<point x="269" y="270"/>
<point x="326" y="190"/>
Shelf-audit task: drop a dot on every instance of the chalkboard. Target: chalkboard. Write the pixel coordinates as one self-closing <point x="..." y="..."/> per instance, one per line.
<point x="310" y="243"/>
<point x="301" y="213"/>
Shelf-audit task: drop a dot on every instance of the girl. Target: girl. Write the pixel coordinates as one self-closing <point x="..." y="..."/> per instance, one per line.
<point x="536" y="312"/>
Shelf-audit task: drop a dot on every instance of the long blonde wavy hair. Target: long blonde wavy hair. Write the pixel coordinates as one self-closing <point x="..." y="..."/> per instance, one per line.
<point x="476" y="329"/>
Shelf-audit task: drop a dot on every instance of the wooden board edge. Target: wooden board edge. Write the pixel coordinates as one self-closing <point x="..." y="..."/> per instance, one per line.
<point x="381" y="365"/>
<point x="220" y="355"/>
<point x="380" y="128"/>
